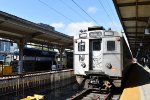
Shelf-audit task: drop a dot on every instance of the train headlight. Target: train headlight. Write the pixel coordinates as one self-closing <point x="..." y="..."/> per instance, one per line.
<point x="95" y="34"/>
<point x="83" y="35"/>
<point x="81" y="57"/>
<point x="83" y="65"/>
<point x="108" y="65"/>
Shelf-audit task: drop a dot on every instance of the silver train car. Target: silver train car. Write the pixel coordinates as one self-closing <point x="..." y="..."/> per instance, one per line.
<point x="102" y="56"/>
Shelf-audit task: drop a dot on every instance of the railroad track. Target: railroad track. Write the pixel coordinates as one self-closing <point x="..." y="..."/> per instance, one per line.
<point x="95" y="94"/>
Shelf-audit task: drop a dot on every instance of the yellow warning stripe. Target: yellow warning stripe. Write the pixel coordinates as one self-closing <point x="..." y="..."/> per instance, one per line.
<point x="131" y="91"/>
<point x="130" y="94"/>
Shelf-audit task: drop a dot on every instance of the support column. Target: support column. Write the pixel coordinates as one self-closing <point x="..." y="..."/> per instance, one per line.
<point x="21" y="45"/>
<point x="61" y="50"/>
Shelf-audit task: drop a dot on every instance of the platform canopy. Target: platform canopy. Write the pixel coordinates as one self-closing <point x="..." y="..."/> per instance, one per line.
<point x="135" y="18"/>
<point x="21" y="30"/>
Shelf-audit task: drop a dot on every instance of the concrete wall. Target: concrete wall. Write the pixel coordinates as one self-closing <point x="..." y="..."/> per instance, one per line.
<point x="55" y="80"/>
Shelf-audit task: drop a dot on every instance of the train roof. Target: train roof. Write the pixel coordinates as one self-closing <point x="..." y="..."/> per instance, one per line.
<point x="96" y="28"/>
<point x="35" y="50"/>
<point x="100" y="33"/>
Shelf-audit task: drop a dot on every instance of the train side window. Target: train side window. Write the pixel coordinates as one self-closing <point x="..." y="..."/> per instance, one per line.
<point x="81" y="46"/>
<point x="110" y="45"/>
<point x="96" y="45"/>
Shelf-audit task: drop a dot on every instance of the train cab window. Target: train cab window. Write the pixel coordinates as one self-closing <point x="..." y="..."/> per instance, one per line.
<point x="110" y="45"/>
<point x="81" y="46"/>
<point x="96" y="45"/>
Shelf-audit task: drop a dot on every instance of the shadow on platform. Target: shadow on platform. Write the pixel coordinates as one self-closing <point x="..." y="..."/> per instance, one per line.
<point x="137" y="76"/>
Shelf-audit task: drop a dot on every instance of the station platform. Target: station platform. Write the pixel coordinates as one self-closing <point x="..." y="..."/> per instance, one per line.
<point x="137" y="85"/>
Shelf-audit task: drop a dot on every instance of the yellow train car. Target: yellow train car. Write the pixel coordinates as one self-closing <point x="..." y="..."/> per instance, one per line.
<point x="5" y="70"/>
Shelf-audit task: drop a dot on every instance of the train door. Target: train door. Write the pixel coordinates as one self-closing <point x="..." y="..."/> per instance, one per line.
<point x="96" y="55"/>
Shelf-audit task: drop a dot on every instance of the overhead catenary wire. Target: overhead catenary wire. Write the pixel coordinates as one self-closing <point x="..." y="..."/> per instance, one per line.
<point x="106" y="13"/>
<point x="72" y="9"/>
<point x="69" y="19"/>
<point x="85" y="12"/>
<point x="58" y="11"/>
<point x="55" y="11"/>
<point x="111" y="11"/>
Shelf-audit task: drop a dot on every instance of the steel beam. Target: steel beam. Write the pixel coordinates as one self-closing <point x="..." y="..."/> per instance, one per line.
<point x="137" y="27"/>
<point x="135" y="32"/>
<point x="142" y="19"/>
<point x="133" y="4"/>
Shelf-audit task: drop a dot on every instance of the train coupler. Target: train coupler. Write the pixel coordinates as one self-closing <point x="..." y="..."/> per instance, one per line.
<point x="94" y="83"/>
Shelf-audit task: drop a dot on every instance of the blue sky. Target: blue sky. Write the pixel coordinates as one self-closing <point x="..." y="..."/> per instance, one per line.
<point x="36" y="11"/>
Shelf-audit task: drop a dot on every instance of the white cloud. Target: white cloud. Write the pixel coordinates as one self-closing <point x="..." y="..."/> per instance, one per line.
<point x="74" y="28"/>
<point x="58" y="25"/>
<point x="92" y="10"/>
